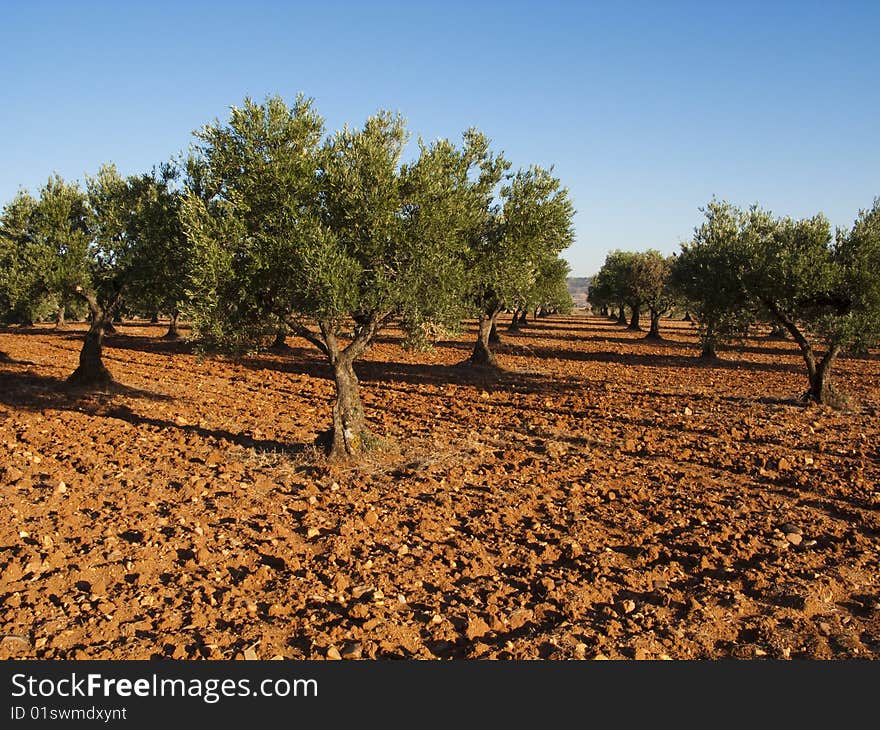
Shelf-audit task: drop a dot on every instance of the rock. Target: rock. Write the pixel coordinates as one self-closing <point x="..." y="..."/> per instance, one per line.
<point x="628" y="605"/>
<point x="333" y="654"/>
<point x="371" y="518"/>
<point x="250" y="654"/>
<point x="688" y="411"/>
<point x="14" y="642"/>
<point x="519" y="618"/>
<point x="781" y="544"/>
<point x="352" y="650"/>
<point x="660" y="584"/>
<point x="824" y="628"/>
<point x="783" y="464"/>
<point x="789" y="528"/>
<point x="794" y="538"/>
<point x="312" y="532"/>
<point x="580" y="650"/>
<point x="476" y="628"/>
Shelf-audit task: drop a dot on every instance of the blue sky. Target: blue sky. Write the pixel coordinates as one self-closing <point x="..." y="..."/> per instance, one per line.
<point x="646" y="110"/>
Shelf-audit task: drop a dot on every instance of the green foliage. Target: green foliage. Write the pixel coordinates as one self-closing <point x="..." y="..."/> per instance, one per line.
<point x="610" y="287"/>
<point x="317" y="235"/>
<point x="532" y="227"/>
<point x="708" y="275"/>
<point x="44" y="246"/>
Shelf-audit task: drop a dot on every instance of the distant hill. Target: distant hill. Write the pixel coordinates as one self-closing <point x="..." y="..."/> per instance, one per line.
<point x="578" y="286"/>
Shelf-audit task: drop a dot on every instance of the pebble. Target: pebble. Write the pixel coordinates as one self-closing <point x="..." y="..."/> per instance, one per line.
<point x="824" y="628"/>
<point x="250" y="654"/>
<point x="794" y="538"/>
<point x="352" y="650"/>
<point x="628" y="605"/>
<point x="333" y="653"/>
<point x="790" y="528"/>
<point x="312" y="532"/>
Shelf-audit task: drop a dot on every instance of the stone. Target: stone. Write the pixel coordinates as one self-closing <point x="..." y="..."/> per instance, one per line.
<point x="476" y="628"/>
<point x="824" y="628"/>
<point x="250" y="654"/>
<point x="688" y="411"/>
<point x="790" y="528"/>
<point x="628" y="605"/>
<point x="352" y="650"/>
<point x="783" y="465"/>
<point x="371" y="518"/>
<point x="312" y="532"/>
<point x="794" y="538"/>
<point x="333" y="654"/>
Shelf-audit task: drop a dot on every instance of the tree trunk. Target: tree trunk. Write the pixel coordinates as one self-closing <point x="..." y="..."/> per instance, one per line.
<point x="279" y="344"/>
<point x="708" y="340"/>
<point x="621" y="315"/>
<point x="514" y="323"/>
<point x="482" y="355"/>
<point x="350" y="436"/>
<point x="777" y="333"/>
<point x="173" y="333"/>
<point x="109" y="328"/>
<point x="155" y="318"/>
<point x="687" y="317"/>
<point x="821" y="390"/>
<point x="494" y="337"/>
<point x="522" y="317"/>
<point x="654" y="332"/>
<point x="91" y="371"/>
<point x="59" y="318"/>
<point x="603" y="311"/>
<point x="634" y="320"/>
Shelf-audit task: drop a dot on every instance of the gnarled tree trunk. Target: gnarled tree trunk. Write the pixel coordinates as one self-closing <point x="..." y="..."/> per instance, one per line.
<point x="821" y="391"/>
<point x="59" y="318"/>
<point x="654" y="331"/>
<point x="91" y="372"/>
<point x="279" y="344"/>
<point x="522" y="317"/>
<point x="482" y="355"/>
<point x="621" y="314"/>
<point x="351" y="436"/>
<point x="154" y="319"/>
<point x="514" y="322"/>
<point x="709" y="340"/>
<point x="173" y="333"/>
<point x="634" y="320"/>
<point x="494" y="337"/>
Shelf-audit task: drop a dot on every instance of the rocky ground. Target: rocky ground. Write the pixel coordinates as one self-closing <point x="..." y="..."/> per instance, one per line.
<point x="602" y="497"/>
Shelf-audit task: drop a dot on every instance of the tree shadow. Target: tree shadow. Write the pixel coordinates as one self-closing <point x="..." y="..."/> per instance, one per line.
<point x="664" y="361"/>
<point x="30" y="391"/>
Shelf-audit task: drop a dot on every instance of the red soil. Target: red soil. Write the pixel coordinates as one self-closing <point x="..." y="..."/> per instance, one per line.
<point x="602" y="497"/>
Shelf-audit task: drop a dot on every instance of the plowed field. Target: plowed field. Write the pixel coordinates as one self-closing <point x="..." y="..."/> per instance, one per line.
<point x="601" y="497"/>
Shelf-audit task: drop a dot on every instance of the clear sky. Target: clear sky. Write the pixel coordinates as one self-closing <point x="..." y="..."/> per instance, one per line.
<point x="646" y="110"/>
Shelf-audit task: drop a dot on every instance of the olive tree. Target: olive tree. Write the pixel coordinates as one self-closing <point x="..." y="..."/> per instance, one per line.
<point x="821" y="287"/>
<point x="333" y="238"/>
<point x="707" y="273"/>
<point x="532" y="223"/>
